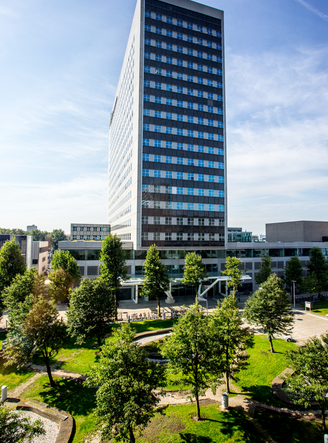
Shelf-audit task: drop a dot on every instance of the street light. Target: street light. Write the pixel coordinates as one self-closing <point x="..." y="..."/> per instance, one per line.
<point x="294" y="281"/>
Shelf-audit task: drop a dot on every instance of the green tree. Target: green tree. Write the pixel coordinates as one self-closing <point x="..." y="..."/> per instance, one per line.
<point x="56" y="236"/>
<point x="156" y="276"/>
<point x="11" y="263"/>
<point x="113" y="269"/>
<point x="194" y="271"/>
<point x="230" y="337"/>
<point x="269" y="308"/>
<point x="310" y="284"/>
<point x="40" y="333"/>
<point x="64" y="274"/>
<point x="293" y="271"/>
<point x="189" y="350"/>
<point x="310" y="378"/>
<point x="265" y="270"/>
<point x="14" y="428"/>
<point x="319" y="266"/>
<point x="39" y="235"/>
<point x="233" y="271"/>
<point x="91" y="310"/>
<point x="126" y="380"/>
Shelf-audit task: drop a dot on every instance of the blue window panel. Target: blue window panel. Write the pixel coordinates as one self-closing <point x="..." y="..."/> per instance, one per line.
<point x="169" y="101"/>
<point x="209" y="31"/>
<point x="190" y="148"/>
<point x="146" y="98"/>
<point x="210" y="83"/>
<point x="200" y="107"/>
<point x="169" y="33"/>
<point x="146" y="127"/>
<point x="201" y="177"/>
<point x="179" y="62"/>
<point x="147" y="41"/>
<point x="190" y="51"/>
<point x="200" y="121"/>
<point x="179" y="131"/>
<point x="169" y="60"/>
<point x="220" y="179"/>
<point x="190" y="176"/>
<point x="220" y="111"/>
<point x="180" y="103"/>
<point x="168" y="145"/>
<point x="146" y="141"/>
<point x="221" y="193"/>
<point x="219" y="72"/>
<point x="158" y="114"/>
<point x="179" y="23"/>
<point x="169" y="116"/>
<point x="211" y="207"/>
<point x="199" y="80"/>
<point x="201" y="163"/>
<point x="190" y="119"/>
<point x="189" y="26"/>
<point x="145" y="157"/>
<point x="157" y="173"/>
<point x="210" y="70"/>
<point x="147" y="14"/>
<point x="146" y="112"/>
<point x="218" y="34"/>
<point x="169" y="20"/>
<point x="190" y="105"/>
<point x="190" y="191"/>
<point x="158" y="99"/>
<point x="179" y="89"/>
<point x="189" y="39"/>
<point x="220" y="85"/>
<point x="191" y="206"/>
<point x="157" y="158"/>
<point x="145" y="172"/>
<point x="190" y="91"/>
<point x="200" y="94"/>
<point x="179" y="175"/>
<point x="190" y="78"/>
<point x="210" y="123"/>
<point x="200" y="41"/>
<point x="158" y="57"/>
<point x="159" y="17"/>
<point x="190" y="133"/>
<point x="211" y="136"/>
<point x="219" y="59"/>
<point x="169" y="74"/>
<point x="199" y="54"/>
<point x="210" y="95"/>
<point x="179" y="76"/>
<point x="211" y="164"/>
<point x="179" y="36"/>
<point x="211" y="192"/>
<point x="220" y="138"/>
<point x="180" y="118"/>
<point x="220" y="98"/>
<point x="179" y="161"/>
<point x="190" y="162"/>
<point x="158" y="44"/>
<point x="180" y="49"/>
<point x="220" y="151"/>
<point x="218" y="46"/>
<point x="200" y="67"/>
<point x="180" y="191"/>
<point x="201" y="207"/>
<point x="210" y="150"/>
<point x="199" y="28"/>
<point x="158" y="143"/>
<point x="168" y="174"/>
<point x="210" y="109"/>
<point x="201" y="149"/>
<point x="179" y="205"/>
<point x="201" y="192"/>
<point x="147" y="55"/>
<point x="211" y="178"/>
<point x="168" y="130"/>
<point x="158" y="128"/>
<point x="179" y="146"/>
<point x="148" y="28"/>
<point x="147" y="83"/>
<point x="158" y="31"/>
<point x="169" y="46"/>
<point x="190" y="65"/>
<point x="158" y="85"/>
<point x="200" y="134"/>
<point x="220" y="166"/>
<point x="145" y="188"/>
<point x="158" y="71"/>
<point x="221" y="208"/>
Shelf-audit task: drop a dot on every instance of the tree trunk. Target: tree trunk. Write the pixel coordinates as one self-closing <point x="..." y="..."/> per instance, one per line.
<point x="115" y="305"/>
<point x="197" y="407"/>
<point x="271" y="345"/>
<point x="132" y="439"/>
<point x="227" y="375"/>
<point x="323" y="413"/>
<point x="158" y="307"/>
<point x="51" y="380"/>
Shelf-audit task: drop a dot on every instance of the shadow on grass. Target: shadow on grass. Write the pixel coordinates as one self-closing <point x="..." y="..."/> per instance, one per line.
<point x="70" y="396"/>
<point x="192" y="438"/>
<point x="262" y="394"/>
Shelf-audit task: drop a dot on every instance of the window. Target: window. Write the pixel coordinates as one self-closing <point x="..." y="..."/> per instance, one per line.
<point x="169" y="33"/>
<point x="190" y="78"/>
<point x="168" y="174"/>
<point x="211" y="192"/>
<point x="158" y="114"/>
<point x="158" y="30"/>
<point x="168" y="145"/>
<point x="200" y="121"/>
<point x="190" y="105"/>
<point x="169" y="20"/>
<point x="169" y="46"/>
<point x="145" y="172"/>
<point x="148" y="28"/>
<point x="179" y="205"/>
<point x="220" y="138"/>
<point x="180" y="103"/>
<point x="158" y="85"/>
<point x="179" y="236"/>
<point x="201" y="207"/>
<point x="169" y="116"/>
<point x="221" y="208"/>
<point x="180" y="49"/>
<point x="220" y="111"/>
<point x="179" y="131"/>
<point x="179" y="76"/>
<point x="190" y="91"/>
<point x="159" y="17"/>
<point x="219" y="59"/>
<point x="200" y="107"/>
<point x="146" y="112"/>
<point x="199" y="80"/>
<point x="157" y="236"/>
<point x="157" y="204"/>
<point x="199" y="28"/>
<point x="199" y="54"/>
<point x="180" y="191"/>
<point x="190" y="176"/>
<point x="201" y="177"/>
<point x="146" y="98"/>
<point x="147" y="69"/>
<point x="146" y="141"/>
<point x="199" y="67"/>
<point x="190" y="133"/>
<point x="145" y="188"/>
<point x="145" y="157"/>
<point x="190" y="222"/>
<point x="211" y="178"/>
<point x="210" y="122"/>
<point x="221" y="194"/>
<point x="209" y="57"/>
<point x="200" y="148"/>
<point x="169" y="74"/>
<point x="201" y="163"/>
<point x="211" y="236"/>
<point x="190" y="119"/>
<point x="158" y="57"/>
<point x="210" y="95"/>
<point x="168" y="189"/>
<point x="200" y="94"/>
<point x="211" y="164"/>
<point x="158" y="99"/>
<point x="158" y="143"/>
<point x="179" y="161"/>
<point x="190" y="52"/>
<point x="179" y="23"/>
<point x="179" y="62"/>
<point x="180" y="177"/>
<point x="189" y="25"/>
<point x="211" y="207"/>
<point x="190" y="148"/>
<point x="169" y="60"/>
<point x="210" y="150"/>
<point x="209" y="82"/>
<point x="157" y="189"/>
<point x="169" y="101"/>
<point x="191" y="206"/>
<point x="157" y="220"/>
<point x="158" y="71"/>
<point x="158" y="128"/>
<point x="158" y="44"/>
<point x="147" y="14"/>
<point x="168" y="130"/>
<point x="157" y="158"/>
<point x="211" y="222"/>
<point x="218" y="46"/>
<point x="147" y="83"/>
<point x="180" y="117"/>
<point x="201" y="222"/>
<point x="220" y="151"/>
<point x="146" y="127"/>
<point x="201" y="192"/>
<point x="168" y="220"/>
<point x="157" y="173"/>
<point x="189" y="39"/>
<point x="190" y="191"/>
<point x="179" y="221"/>
<point x="144" y="236"/>
<point x="210" y="109"/>
<point x="190" y="162"/>
<point x="179" y="36"/>
<point x="220" y="98"/>
<point x="190" y="65"/>
<point x="168" y="236"/>
<point x="201" y="236"/>
<point x="168" y="205"/>
<point x="144" y="220"/>
<point x="168" y="159"/>
<point x="179" y="146"/>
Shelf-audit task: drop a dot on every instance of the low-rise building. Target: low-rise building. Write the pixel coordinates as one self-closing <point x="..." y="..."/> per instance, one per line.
<point x="89" y="231"/>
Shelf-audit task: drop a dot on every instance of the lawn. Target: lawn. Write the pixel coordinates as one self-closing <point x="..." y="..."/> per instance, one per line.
<point x="320" y="307"/>
<point x="263" y="368"/>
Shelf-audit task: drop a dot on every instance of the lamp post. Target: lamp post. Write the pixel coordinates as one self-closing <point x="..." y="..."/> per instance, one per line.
<point x="294" y="295"/>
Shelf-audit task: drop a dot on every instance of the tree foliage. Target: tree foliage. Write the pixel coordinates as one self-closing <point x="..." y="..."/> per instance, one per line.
<point x="14" y="428"/>
<point x="64" y="274"/>
<point x="293" y="271"/>
<point x="126" y="380"/>
<point x="265" y="270"/>
<point x="318" y="265"/>
<point x="269" y="308"/>
<point x="232" y="270"/>
<point x="230" y="337"/>
<point x="91" y="310"/>
<point x="310" y="284"/>
<point x="56" y="236"/>
<point x="113" y="269"/>
<point x="156" y="276"/>
<point x="189" y="350"/>
<point x="310" y="379"/>
<point x="194" y="271"/>
<point x="11" y="263"/>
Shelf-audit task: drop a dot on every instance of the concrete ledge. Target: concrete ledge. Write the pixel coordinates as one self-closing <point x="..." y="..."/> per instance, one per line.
<point x="151" y="333"/>
<point x="277" y="384"/>
<point x="65" y="421"/>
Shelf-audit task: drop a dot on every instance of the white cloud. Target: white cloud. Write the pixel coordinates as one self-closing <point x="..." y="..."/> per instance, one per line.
<point x="313" y="9"/>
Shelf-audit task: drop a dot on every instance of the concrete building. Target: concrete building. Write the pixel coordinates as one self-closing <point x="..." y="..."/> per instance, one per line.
<point x="167" y="152"/>
<point x="89" y="231"/>
<point x="297" y="231"/>
<point x="238" y="235"/>
<point x="31" y="228"/>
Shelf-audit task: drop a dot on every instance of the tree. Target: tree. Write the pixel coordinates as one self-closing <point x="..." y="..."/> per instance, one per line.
<point x="64" y="273"/>
<point x="41" y="332"/>
<point x="113" y="268"/>
<point x="11" y="263"/>
<point x="15" y="428"/>
<point x="156" y="276"/>
<point x="189" y="350"/>
<point x="310" y="378"/>
<point x="233" y="271"/>
<point x="194" y="271"/>
<point x="39" y="235"/>
<point x="319" y="266"/>
<point x="126" y="380"/>
<point x="310" y="284"/>
<point x="91" y="310"/>
<point x="265" y="270"/>
<point x="56" y="236"/>
<point x="230" y="337"/>
<point x="293" y="271"/>
<point x="269" y="308"/>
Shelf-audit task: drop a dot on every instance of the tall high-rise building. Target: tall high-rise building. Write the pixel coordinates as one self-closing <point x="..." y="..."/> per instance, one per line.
<point x="167" y="152"/>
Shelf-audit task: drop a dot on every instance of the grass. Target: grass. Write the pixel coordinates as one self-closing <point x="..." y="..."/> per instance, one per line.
<point x="320" y="307"/>
<point x="71" y="397"/>
<point x="263" y="368"/>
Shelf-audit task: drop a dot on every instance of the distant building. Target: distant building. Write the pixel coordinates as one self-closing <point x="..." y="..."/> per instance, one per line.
<point x="31" y="228"/>
<point x="297" y="231"/>
<point x="238" y="235"/>
<point x="89" y="231"/>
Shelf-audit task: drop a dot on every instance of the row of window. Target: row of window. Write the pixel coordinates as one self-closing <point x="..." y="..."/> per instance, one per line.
<point x="182" y="23"/>
<point x="189" y="78"/>
<point x="91" y="228"/>
<point x="181" y="236"/>
<point x="151" y="204"/>
<point x="183" y="37"/>
<point x="182" y="146"/>
<point x="183" y="132"/>
<point x="185" y="77"/>
<point x="180" y="221"/>
<point x="88" y="237"/>
<point x="183" y="175"/>
<point x="178" y="190"/>
<point x="181" y="161"/>
<point x="184" y="63"/>
<point x="181" y="90"/>
<point x="182" y="104"/>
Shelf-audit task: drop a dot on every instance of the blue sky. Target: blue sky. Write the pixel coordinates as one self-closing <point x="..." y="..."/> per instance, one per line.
<point x="59" y="67"/>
